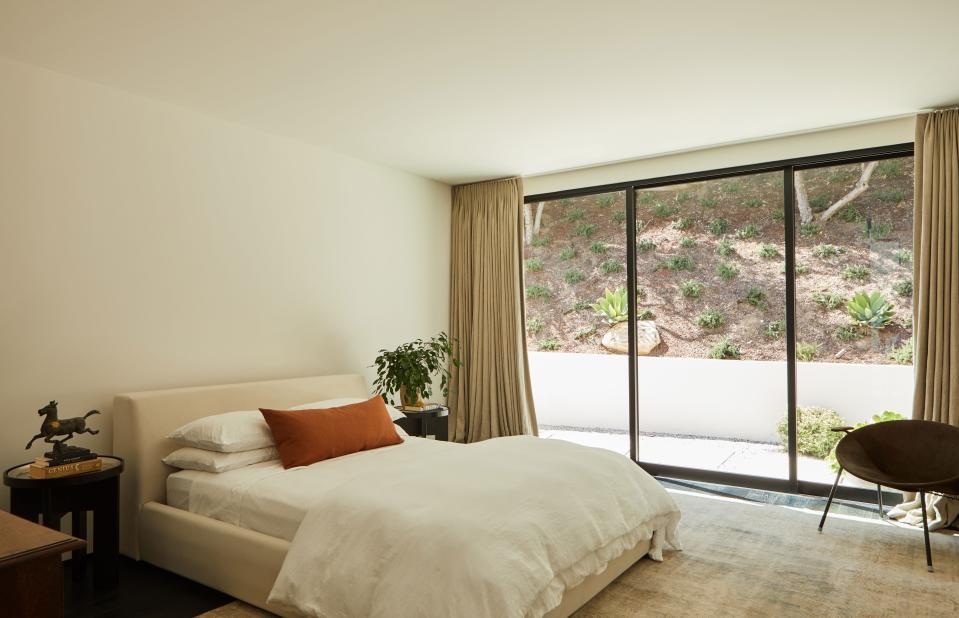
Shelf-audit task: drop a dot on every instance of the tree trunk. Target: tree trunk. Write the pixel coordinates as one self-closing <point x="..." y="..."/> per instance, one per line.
<point x="862" y="185"/>
<point x="802" y="200"/>
<point x="530" y="223"/>
<point x="539" y="218"/>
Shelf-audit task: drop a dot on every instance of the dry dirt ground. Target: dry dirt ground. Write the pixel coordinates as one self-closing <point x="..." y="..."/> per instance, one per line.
<point x="687" y="220"/>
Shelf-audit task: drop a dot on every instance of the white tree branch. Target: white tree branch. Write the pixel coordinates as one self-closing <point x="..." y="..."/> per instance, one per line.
<point x="862" y="185"/>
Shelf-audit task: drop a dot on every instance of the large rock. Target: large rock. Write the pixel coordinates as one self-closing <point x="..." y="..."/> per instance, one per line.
<point x="616" y="338"/>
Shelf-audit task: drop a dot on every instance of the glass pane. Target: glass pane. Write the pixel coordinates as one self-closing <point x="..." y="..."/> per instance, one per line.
<point x="853" y="241"/>
<point x="709" y="263"/>
<point x="575" y="278"/>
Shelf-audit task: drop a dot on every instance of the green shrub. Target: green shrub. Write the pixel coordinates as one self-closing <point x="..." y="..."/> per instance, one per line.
<point x="801" y="269"/>
<point x="619" y="216"/>
<point x="903" y="287"/>
<point x="753" y="202"/>
<point x="887" y="415"/>
<point x="645" y="246"/>
<point x="710" y="319"/>
<point x="548" y="345"/>
<point x="566" y="202"/>
<point x="540" y="241"/>
<point x="889" y="168"/>
<point x="718" y="227"/>
<point x="683" y="196"/>
<point x="535" y="290"/>
<point x="872" y="310"/>
<point x="567" y="254"/>
<point x="708" y="202"/>
<point x="683" y="223"/>
<point x="828" y="300"/>
<point x="826" y="251"/>
<point x="585" y="333"/>
<point x="849" y="332"/>
<point x="647" y="198"/>
<point x="809" y="229"/>
<point x="747" y="231"/>
<point x="586" y="229"/>
<point x="878" y="231"/>
<point x="725" y="349"/>
<point x="902" y="256"/>
<point x="612" y="306"/>
<point x="581" y="305"/>
<point x="902" y="354"/>
<point x="641" y="225"/>
<point x="806" y="351"/>
<point x="573" y="276"/>
<point x="892" y="196"/>
<point x="732" y="186"/>
<point x="605" y="200"/>
<point x="778" y="215"/>
<point x="677" y="262"/>
<point x="755" y="297"/>
<point x="645" y="314"/>
<point x="599" y="247"/>
<point x="851" y="214"/>
<point x="663" y="210"/>
<point x="575" y="214"/>
<point x="611" y="266"/>
<point x="724" y="248"/>
<point x="687" y="243"/>
<point x="534" y="325"/>
<point x="534" y="265"/>
<point x="856" y="272"/>
<point x="768" y="251"/>
<point x="814" y="435"/>
<point x="818" y="202"/>
<point x="775" y="329"/>
<point x="691" y="288"/>
<point x="727" y="271"/>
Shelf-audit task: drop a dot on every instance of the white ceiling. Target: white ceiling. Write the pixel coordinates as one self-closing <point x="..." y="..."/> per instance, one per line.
<point x="468" y="90"/>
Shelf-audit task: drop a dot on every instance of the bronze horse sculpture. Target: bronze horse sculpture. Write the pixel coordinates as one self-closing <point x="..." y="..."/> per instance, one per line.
<point x="52" y="426"/>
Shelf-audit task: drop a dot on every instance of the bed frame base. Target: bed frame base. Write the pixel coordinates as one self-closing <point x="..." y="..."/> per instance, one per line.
<point x="244" y="564"/>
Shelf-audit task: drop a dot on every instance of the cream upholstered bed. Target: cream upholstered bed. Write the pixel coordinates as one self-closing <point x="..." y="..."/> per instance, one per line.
<point x="238" y="561"/>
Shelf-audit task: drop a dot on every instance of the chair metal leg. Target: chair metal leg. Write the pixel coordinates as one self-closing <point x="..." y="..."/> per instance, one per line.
<point x="832" y="493"/>
<point x="925" y="530"/>
<point x="879" y="495"/>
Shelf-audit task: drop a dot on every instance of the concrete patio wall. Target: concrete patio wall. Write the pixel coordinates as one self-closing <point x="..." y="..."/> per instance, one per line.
<point x="704" y="397"/>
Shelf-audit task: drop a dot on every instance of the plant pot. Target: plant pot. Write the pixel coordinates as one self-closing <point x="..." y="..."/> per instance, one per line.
<point x="410" y="401"/>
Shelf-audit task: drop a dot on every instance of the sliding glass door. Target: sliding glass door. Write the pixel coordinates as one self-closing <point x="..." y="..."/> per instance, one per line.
<point x="710" y="283"/>
<point x="717" y="325"/>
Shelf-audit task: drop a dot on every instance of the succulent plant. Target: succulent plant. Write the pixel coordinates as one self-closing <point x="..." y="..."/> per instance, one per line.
<point x="872" y="310"/>
<point x="612" y="306"/>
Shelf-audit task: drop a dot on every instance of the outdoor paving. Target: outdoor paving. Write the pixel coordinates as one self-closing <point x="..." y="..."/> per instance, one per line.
<point x="754" y="458"/>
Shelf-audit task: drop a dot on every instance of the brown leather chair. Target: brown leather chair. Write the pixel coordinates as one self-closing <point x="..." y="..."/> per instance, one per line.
<point x="914" y="456"/>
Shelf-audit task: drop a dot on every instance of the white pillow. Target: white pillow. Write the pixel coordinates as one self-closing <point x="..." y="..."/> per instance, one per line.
<point x="245" y="430"/>
<point x="189" y="458"/>
<point x="229" y="432"/>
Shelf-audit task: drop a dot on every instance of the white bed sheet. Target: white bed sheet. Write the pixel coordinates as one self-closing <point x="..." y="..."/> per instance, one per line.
<point x="266" y="498"/>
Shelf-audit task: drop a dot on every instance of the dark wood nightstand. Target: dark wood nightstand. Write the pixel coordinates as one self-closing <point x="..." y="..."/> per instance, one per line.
<point x="51" y="499"/>
<point x="31" y="573"/>
<point x="425" y="423"/>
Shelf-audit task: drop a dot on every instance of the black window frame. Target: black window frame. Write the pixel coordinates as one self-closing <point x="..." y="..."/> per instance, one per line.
<point x="787" y="167"/>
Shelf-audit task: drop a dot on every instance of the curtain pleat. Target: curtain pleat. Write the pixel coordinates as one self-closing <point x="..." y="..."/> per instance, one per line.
<point x="490" y="394"/>
<point x="936" y="267"/>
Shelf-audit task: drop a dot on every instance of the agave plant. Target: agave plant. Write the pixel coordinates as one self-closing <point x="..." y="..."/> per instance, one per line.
<point x="872" y="310"/>
<point x="612" y="306"/>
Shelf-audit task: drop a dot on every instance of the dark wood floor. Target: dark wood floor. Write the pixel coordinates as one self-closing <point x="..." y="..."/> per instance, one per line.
<point x="145" y="591"/>
<point x="148" y="592"/>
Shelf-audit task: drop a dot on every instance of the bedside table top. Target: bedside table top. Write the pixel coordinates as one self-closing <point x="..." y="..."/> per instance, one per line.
<point x="19" y="476"/>
<point x="439" y="410"/>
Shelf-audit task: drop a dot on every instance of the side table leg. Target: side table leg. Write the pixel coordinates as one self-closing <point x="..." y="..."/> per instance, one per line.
<point x="106" y="535"/>
<point x="79" y="556"/>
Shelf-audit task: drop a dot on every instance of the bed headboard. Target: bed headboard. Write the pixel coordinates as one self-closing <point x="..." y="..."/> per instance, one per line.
<point x="141" y="422"/>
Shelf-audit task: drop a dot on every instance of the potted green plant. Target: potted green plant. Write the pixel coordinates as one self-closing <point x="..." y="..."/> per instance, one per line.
<point x="410" y="369"/>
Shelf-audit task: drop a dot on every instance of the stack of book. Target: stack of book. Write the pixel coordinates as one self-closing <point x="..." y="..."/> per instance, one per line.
<point x="43" y="468"/>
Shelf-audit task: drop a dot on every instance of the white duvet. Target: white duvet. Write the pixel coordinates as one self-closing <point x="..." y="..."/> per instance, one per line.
<point x="494" y="529"/>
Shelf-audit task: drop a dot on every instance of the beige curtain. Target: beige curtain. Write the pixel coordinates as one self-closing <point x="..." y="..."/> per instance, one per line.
<point x="490" y="394"/>
<point x="936" y="263"/>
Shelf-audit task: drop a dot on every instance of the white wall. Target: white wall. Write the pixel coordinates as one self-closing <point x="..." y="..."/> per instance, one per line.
<point x="704" y="397"/>
<point x="144" y="246"/>
<point x="870" y="135"/>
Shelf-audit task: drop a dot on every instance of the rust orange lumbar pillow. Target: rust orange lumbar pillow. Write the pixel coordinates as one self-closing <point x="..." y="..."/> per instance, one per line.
<point x="303" y="437"/>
